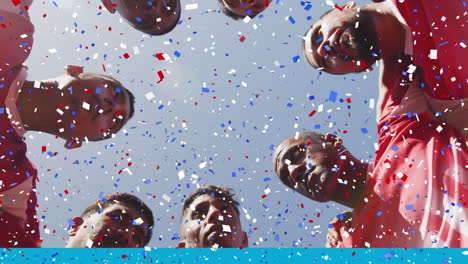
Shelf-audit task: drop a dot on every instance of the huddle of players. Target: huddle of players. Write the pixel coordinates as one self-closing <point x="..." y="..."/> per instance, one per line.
<point x="313" y="164"/>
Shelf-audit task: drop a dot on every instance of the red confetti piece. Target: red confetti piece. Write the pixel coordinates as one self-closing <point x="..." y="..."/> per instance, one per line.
<point x="124" y="256"/>
<point x="16" y="2"/>
<point x="263" y="196"/>
<point x="103" y="67"/>
<point x="348" y="100"/>
<point x="242" y="39"/>
<point x="160" y="56"/>
<point x="44" y="149"/>
<point x="126" y="56"/>
<point x="66" y="191"/>
<point x="312" y="113"/>
<point x="161" y="76"/>
<point x="339" y="7"/>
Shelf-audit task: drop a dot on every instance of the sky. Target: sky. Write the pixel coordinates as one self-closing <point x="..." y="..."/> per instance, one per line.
<point x="231" y="92"/>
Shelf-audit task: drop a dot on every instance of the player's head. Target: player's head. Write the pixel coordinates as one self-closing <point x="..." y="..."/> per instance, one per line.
<point x="342" y="41"/>
<point x="90" y="106"/>
<point x="210" y="218"/>
<point x="308" y="163"/>
<point x="117" y="220"/>
<point x="154" y="17"/>
<point x="238" y="9"/>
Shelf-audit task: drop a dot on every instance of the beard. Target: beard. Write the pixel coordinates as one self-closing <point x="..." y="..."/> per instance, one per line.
<point x="362" y="39"/>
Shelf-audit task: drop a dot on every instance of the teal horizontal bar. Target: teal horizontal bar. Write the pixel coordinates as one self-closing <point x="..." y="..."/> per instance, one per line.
<point x="220" y="256"/>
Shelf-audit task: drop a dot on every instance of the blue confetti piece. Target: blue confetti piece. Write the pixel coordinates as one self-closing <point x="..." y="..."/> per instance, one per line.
<point x="332" y="96"/>
<point x="291" y="19"/>
<point x="364" y="130"/>
<point x="395" y="148"/>
<point x="296" y="59"/>
<point x="409" y="207"/>
<point x="205" y="90"/>
<point x="379" y="213"/>
<point x="443" y="43"/>
<point x="177" y="54"/>
<point x="308" y="7"/>
<point x="98" y="90"/>
<point x="50" y="154"/>
<point x="138" y="19"/>
<point x="2" y="110"/>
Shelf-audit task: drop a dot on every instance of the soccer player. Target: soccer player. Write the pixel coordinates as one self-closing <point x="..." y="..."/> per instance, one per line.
<point x="210" y="218"/>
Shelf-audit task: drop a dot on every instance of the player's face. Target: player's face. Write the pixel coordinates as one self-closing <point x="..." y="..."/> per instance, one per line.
<point x="246" y="7"/>
<point x="149" y="16"/>
<point x="95" y="110"/>
<point x="307" y="167"/>
<point x="209" y="221"/>
<point x="117" y="226"/>
<point x="341" y="42"/>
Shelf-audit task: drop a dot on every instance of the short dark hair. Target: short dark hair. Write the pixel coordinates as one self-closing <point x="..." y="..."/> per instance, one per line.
<point x="229" y="13"/>
<point x="220" y="192"/>
<point x="171" y="26"/>
<point x="122" y="198"/>
<point x="111" y="80"/>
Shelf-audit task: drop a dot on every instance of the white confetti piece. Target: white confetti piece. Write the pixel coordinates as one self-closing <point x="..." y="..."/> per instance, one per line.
<point x="202" y="165"/>
<point x="267" y="191"/>
<point x="191" y="6"/>
<point x="411" y="69"/>
<point x="433" y="54"/>
<point x="247" y="19"/>
<point x="37" y="84"/>
<point x="86" y="106"/>
<point x="181" y="175"/>
<point x="439" y="128"/>
<point x="136" y="50"/>
<point x="52" y="51"/>
<point x="372" y="103"/>
<point x="89" y="243"/>
<point x="24" y="36"/>
<point x="166" y="198"/>
<point x="59" y="111"/>
<point x="226" y="228"/>
<point x="138" y="221"/>
<point x="149" y="96"/>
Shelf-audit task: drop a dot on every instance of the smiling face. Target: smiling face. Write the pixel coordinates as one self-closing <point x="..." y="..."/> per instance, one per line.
<point x="209" y="221"/>
<point x="97" y="108"/>
<point x="342" y="41"/>
<point x="117" y="226"/>
<point x="246" y="7"/>
<point x="154" y="17"/>
<point x="307" y="165"/>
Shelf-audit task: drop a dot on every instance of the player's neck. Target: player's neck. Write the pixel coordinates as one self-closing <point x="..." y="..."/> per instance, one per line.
<point x="351" y="181"/>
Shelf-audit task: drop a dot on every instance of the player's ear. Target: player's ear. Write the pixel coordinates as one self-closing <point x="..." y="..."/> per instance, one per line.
<point x="245" y="240"/>
<point x="349" y="5"/>
<point x="336" y="141"/>
<point x="77" y="221"/>
<point x="109" y="5"/>
<point x="181" y="244"/>
<point x="72" y="143"/>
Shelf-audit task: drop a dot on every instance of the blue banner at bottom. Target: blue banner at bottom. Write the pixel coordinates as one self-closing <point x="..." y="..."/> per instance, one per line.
<point x="219" y="256"/>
